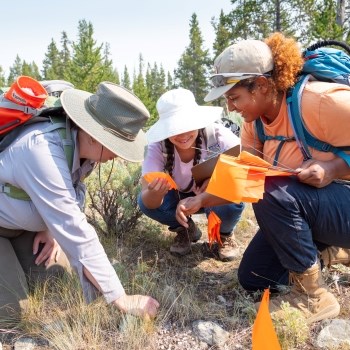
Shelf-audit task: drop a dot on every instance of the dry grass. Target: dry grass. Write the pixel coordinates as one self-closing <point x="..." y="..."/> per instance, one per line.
<point x="188" y="288"/>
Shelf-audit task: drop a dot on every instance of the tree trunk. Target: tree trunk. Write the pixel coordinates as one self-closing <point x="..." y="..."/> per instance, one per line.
<point x="341" y="12"/>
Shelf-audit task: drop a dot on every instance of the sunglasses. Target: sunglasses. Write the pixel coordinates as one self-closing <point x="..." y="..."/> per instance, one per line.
<point x="233" y="78"/>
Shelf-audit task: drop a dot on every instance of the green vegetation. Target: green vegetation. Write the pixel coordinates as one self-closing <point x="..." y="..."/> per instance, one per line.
<point x="85" y="62"/>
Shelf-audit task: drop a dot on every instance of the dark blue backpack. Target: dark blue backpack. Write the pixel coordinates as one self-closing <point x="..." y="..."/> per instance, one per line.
<point x="323" y="64"/>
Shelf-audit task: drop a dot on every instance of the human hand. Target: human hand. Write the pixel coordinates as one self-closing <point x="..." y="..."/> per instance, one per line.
<point x="186" y="207"/>
<point x="50" y="251"/>
<point x="200" y="189"/>
<point x="317" y="173"/>
<point x="159" y="187"/>
<point x="137" y="305"/>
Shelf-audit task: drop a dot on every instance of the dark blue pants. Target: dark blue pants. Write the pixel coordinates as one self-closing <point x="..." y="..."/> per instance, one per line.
<point x="295" y="220"/>
<point x="165" y="214"/>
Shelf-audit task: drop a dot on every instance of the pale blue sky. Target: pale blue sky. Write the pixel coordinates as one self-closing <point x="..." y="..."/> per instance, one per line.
<point x="159" y="29"/>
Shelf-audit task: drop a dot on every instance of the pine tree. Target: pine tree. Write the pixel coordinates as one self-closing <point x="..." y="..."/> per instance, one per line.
<point x="52" y="63"/>
<point x="126" y="81"/>
<point x="169" y="82"/>
<point x="140" y="89"/>
<point x="65" y="56"/>
<point x="193" y="66"/>
<point x="326" y="22"/>
<point x="108" y="73"/>
<point x="155" y="83"/>
<point x="223" y="36"/>
<point x="15" y="70"/>
<point x="2" y="77"/>
<point x="84" y="71"/>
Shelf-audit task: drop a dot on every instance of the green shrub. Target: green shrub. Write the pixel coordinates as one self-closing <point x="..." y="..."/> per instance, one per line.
<point x="111" y="203"/>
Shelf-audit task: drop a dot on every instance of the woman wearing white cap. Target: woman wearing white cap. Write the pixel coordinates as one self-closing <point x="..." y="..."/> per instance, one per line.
<point x="178" y="141"/>
<point x="107" y="124"/>
<point x="301" y="214"/>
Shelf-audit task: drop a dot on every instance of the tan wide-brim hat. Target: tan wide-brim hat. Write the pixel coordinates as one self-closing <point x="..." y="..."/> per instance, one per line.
<point x="113" y="116"/>
<point x="179" y="113"/>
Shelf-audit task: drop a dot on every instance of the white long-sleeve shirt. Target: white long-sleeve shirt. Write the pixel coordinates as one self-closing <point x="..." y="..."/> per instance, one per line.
<point x="36" y="163"/>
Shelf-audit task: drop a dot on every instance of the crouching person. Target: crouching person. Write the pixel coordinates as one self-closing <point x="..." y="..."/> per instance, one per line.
<point x="185" y="135"/>
<point x="105" y="125"/>
<point x="299" y="215"/>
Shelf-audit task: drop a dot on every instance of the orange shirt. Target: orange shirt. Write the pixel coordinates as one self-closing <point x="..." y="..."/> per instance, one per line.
<point x="326" y="113"/>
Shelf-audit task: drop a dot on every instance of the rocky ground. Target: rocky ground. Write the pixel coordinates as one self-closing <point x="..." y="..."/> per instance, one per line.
<point x="210" y="333"/>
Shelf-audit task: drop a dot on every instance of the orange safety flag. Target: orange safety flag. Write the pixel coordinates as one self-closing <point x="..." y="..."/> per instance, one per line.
<point x="149" y="177"/>
<point x="214" y="229"/>
<point x="264" y="335"/>
<point x="242" y="178"/>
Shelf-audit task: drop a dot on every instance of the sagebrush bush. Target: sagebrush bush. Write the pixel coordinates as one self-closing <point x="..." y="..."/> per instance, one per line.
<point x="111" y="203"/>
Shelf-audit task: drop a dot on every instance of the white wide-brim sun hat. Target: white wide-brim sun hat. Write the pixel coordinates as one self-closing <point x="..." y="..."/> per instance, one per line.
<point x="113" y="116"/>
<point x="179" y="113"/>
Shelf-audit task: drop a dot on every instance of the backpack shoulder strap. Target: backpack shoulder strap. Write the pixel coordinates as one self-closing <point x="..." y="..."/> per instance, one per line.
<point x="63" y="126"/>
<point x="303" y="137"/>
<point x="294" y="114"/>
<point x="6" y="103"/>
<point x="259" y="127"/>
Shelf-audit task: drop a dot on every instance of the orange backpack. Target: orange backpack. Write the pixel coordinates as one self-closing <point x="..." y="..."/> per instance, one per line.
<point x="20" y="103"/>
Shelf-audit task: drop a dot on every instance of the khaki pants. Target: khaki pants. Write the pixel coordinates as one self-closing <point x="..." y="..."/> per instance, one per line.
<point x="18" y="271"/>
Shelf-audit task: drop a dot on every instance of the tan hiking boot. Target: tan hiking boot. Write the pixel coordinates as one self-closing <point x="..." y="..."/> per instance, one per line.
<point x="310" y="295"/>
<point x="335" y="255"/>
<point x="229" y="250"/>
<point x="184" y="238"/>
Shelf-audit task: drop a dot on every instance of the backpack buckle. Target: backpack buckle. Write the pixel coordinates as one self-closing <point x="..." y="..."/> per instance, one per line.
<point x="30" y="110"/>
<point x="4" y="188"/>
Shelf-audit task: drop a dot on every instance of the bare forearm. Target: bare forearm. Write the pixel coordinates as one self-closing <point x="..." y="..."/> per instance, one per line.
<point x="209" y="200"/>
<point x="151" y="200"/>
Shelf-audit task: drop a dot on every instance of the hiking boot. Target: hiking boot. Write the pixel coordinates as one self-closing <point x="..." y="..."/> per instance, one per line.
<point x="229" y="250"/>
<point x="310" y="295"/>
<point x="335" y="255"/>
<point x="185" y="236"/>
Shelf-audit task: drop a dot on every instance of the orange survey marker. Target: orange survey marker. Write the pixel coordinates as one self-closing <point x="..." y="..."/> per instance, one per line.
<point x="149" y="177"/>
<point x="264" y="335"/>
<point x="214" y="223"/>
<point x="242" y="178"/>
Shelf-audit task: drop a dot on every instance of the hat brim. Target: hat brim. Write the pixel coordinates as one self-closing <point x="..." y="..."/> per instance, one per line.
<point x="183" y="121"/>
<point x="217" y="92"/>
<point x="73" y="102"/>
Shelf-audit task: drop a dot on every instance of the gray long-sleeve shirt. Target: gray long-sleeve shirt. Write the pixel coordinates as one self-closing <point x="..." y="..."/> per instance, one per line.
<point x="36" y="163"/>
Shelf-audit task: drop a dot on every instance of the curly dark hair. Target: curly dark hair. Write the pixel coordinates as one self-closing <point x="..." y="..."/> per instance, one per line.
<point x="169" y="165"/>
<point x="288" y="62"/>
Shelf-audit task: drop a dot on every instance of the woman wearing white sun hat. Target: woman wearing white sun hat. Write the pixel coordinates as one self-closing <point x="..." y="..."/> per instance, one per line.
<point x="107" y="124"/>
<point x="178" y="141"/>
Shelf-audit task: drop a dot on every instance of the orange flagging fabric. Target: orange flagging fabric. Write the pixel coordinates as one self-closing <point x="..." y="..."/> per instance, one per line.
<point x="149" y="177"/>
<point x="213" y="229"/>
<point x="264" y="335"/>
<point x="242" y="178"/>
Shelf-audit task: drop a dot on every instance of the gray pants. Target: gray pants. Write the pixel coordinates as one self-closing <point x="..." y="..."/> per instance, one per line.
<point x="18" y="271"/>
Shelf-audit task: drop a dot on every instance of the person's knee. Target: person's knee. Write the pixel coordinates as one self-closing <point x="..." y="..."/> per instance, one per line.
<point x="245" y="279"/>
<point x="56" y="268"/>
